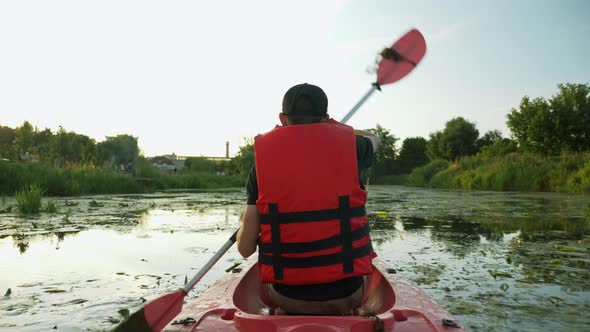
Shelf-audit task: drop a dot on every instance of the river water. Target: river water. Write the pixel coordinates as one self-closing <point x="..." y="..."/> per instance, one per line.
<point x="496" y="261"/>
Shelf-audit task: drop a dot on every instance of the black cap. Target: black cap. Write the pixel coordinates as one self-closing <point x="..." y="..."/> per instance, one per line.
<point x="305" y="100"/>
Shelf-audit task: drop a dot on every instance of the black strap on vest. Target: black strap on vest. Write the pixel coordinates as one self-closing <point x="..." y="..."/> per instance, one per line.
<point x="308" y="216"/>
<point x="271" y="253"/>
<point x="302" y="247"/>
<point x="315" y="261"/>
<point x="344" y="214"/>
<point x="275" y="229"/>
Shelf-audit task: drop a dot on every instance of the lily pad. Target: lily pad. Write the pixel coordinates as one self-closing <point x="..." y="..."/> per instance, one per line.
<point x="55" y="291"/>
<point x="496" y="274"/>
<point x="123" y="312"/>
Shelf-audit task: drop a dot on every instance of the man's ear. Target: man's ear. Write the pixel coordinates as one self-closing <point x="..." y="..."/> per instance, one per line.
<point x="283" y="119"/>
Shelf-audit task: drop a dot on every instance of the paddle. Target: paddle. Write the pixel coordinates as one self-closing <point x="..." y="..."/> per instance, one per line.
<point x="397" y="61"/>
<point x="155" y="315"/>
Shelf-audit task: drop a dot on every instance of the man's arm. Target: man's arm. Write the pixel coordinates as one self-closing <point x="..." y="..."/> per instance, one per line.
<point x="375" y="140"/>
<point x="247" y="238"/>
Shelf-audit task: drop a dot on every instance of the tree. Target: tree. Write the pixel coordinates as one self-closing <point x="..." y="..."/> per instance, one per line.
<point x="499" y="148"/>
<point x="24" y="138"/>
<point x="7" y="135"/>
<point x="572" y="114"/>
<point x="532" y="126"/>
<point x="460" y="138"/>
<point x="551" y="126"/>
<point x="200" y="164"/>
<point x="243" y="161"/>
<point x="42" y="142"/>
<point x="386" y="162"/>
<point x="120" y="150"/>
<point x="387" y="150"/>
<point x="457" y="139"/>
<point x="435" y="148"/>
<point x="489" y="138"/>
<point x="413" y="153"/>
<point x="71" y="147"/>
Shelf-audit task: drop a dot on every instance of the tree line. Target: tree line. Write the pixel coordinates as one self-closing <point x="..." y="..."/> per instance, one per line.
<point x="542" y="126"/>
<point x="63" y="148"/>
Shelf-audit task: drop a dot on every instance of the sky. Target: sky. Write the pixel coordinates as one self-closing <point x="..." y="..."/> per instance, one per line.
<point x="187" y="76"/>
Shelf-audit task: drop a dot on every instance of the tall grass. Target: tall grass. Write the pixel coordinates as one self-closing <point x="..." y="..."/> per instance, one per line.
<point x="84" y="180"/>
<point x="421" y="176"/>
<point x="28" y="199"/>
<point x="579" y="181"/>
<point x="400" y="179"/>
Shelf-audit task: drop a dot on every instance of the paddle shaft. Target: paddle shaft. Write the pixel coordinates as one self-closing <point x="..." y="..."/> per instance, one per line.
<point x="359" y="104"/>
<point x="210" y="263"/>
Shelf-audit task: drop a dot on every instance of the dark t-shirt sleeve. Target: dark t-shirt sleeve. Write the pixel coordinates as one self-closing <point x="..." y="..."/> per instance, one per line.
<point x="364" y="152"/>
<point x="364" y="155"/>
<point x="252" y="187"/>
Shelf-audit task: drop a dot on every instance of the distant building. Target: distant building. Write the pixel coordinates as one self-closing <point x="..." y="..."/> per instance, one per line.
<point x="164" y="164"/>
<point x="178" y="161"/>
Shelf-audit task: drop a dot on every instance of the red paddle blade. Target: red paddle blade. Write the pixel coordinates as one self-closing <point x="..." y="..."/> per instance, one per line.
<point x="155" y="315"/>
<point x="401" y="58"/>
<point x="159" y="312"/>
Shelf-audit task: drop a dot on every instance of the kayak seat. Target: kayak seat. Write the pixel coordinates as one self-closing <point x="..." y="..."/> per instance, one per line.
<point x="251" y="297"/>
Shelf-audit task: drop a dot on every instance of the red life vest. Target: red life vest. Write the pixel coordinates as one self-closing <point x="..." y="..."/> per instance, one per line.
<point x="313" y="223"/>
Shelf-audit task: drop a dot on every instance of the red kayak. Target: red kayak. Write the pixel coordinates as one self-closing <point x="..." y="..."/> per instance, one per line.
<point x="234" y="303"/>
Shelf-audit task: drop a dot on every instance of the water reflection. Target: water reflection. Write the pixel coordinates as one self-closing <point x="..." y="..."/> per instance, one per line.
<point x="21" y="243"/>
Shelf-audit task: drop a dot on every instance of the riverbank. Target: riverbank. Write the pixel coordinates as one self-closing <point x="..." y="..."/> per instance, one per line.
<point x="567" y="173"/>
<point x="74" y="181"/>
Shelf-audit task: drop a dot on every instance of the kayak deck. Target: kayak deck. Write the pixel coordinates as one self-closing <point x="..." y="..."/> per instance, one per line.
<point x="392" y="303"/>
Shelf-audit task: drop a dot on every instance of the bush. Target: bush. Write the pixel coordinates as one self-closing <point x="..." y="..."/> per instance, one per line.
<point x="421" y="176"/>
<point x="579" y="182"/>
<point x="569" y="172"/>
<point x="390" y="180"/>
<point x="500" y="148"/>
<point x="28" y="199"/>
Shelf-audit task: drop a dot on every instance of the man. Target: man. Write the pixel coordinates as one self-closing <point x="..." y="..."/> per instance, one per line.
<point x="305" y="208"/>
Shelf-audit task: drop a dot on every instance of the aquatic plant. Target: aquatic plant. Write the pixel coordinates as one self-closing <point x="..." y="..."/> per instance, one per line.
<point x="95" y="204"/>
<point x="6" y="209"/>
<point x="66" y="217"/>
<point x="28" y="199"/>
<point x="51" y="207"/>
<point x="123" y="312"/>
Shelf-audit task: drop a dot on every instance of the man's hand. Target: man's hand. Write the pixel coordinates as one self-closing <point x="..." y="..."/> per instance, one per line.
<point x="247" y="238"/>
<point x="375" y="140"/>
